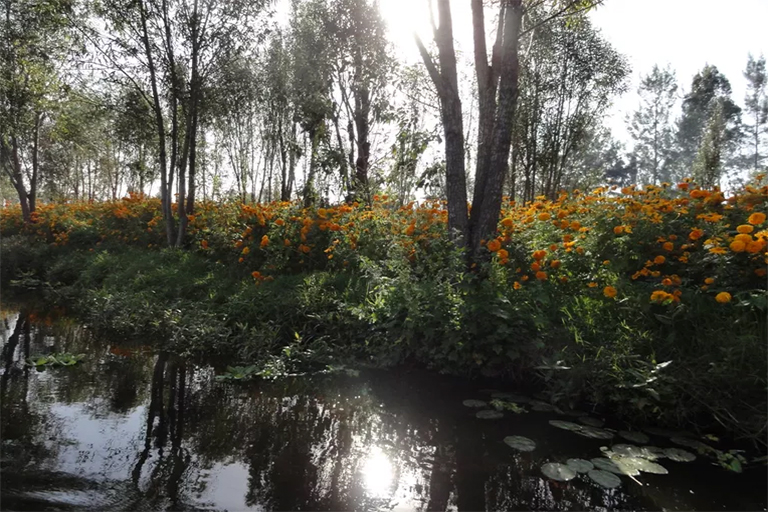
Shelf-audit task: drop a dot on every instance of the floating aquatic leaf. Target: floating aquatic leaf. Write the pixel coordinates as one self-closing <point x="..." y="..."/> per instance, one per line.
<point x="679" y="455"/>
<point x="565" y="425"/>
<point x="592" y="422"/>
<point x="520" y="443"/>
<point x="502" y="405"/>
<point x="604" y="478"/>
<point x="625" y="468"/>
<point x="651" y="452"/>
<point x="606" y="465"/>
<point x="559" y="472"/>
<point x="474" y="403"/>
<point x="594" y="433"/>
<point x="580" y="465"/>
<point x="639" y="464"/>
<point x="634" y="436"/>
<point x="692" y="443"/>
<point x="489" y="415"/>
<point x="627" y="450"/>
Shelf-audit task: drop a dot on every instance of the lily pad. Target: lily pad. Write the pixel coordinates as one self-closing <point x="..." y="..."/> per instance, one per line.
<point x="594" y="433"/>
<point x="592" y="422"/>
<point x="565" y="425"/>
<point x="580" y="465"/>
<point x="520" y="443"/>
<point x="679" y="455"/>
<point x="559" y="472"/>
<point x="627" y="450"/>
<point x="692" y="443"/>
<point x="489" y="415"/>
<point x="604" y="478"/>
<point x="652" y="452"/>
<point x="634" y="436"/>
<point x="477" y="404"/>
<point x="606" y="465"/>
<point x="643" y="465"/>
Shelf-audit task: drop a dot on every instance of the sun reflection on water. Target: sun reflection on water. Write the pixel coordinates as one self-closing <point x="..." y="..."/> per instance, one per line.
<point x="378" y="473"/>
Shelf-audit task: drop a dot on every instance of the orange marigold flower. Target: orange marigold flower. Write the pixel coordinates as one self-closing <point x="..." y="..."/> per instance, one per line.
<point x="745" y="228"/>
<point x="610" y="292"/>
<point x="668" y="246"/>
<point x="564" y="279"/>
<point x="760" y="272"/>
<point x="246" y="250"/>
<point x="503" y="254"/>
<point x="553" y="248"/>
<point x="204" y="244"/>
<point x="287" y="242"/>
<point x="738" y="246"/>
<point x="723" y="297"/>
<point x="756" y="218"/>
<point x="592" y="285"/>
<point x="279" y="222"/>
<point x="742" y="237"/>
<point x="709" y="280"/>
<point x="658" y="260"/>
<point x="256" y="274"/>
<point x="541" y="276"/>
<point x="535" y="266"/>
<point x="517" y="285"/>
<point x="507" y="222"/>
<point x="539" y="255"/>
<point x="753" y="247"/>
<point x="555" y="263"/>
<point x="661" y="296"/>
<point x="718" y="250"/>
<point x="696" y="234"/>
<point x="618" y="230"/>
<point x="544" y="216"/>
<point x="666" y="282"/>
<point x="264" y="241"/>
<point x="240" y="260"/>
<point x="305" y="249"/>
<point x="575" y="225"/>
<point x="493" y="245"/>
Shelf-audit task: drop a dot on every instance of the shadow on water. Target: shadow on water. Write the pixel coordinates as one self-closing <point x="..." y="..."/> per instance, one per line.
<point x="129" y="429"/>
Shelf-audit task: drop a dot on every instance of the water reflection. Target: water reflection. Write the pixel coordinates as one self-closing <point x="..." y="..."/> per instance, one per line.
<point x="127" y="429"/>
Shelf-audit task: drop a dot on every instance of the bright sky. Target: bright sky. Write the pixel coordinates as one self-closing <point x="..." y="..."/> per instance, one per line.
<point x="687" y="34"/>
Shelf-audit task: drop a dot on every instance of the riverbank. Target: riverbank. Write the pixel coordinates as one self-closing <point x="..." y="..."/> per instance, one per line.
<point x="651" y="303"/>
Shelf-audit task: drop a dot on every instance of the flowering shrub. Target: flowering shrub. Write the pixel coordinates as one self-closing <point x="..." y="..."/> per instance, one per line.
<point x="609" y="283"/>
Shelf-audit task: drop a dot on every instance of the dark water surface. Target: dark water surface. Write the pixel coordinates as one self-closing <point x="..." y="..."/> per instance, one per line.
<point x="129" y="429"/>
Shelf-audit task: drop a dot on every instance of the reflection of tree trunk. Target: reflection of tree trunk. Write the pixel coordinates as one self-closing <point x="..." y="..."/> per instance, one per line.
<point x="470" y="473"/>
<point x="155" y="409"/>
<point x="10" y="348"/>
<point x="440" y="485"/>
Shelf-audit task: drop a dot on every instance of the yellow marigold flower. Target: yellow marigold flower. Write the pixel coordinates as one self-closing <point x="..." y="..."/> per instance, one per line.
<point x="661" y="296"/>
<point x="738" y="246"/>
<point x="668" y="246"/>
<point x="541" y="276"/>
<point x="756" y="218"/>
<point x="264" y="241"/>
<point x="592" y="285"/>
<point x="741" y="237"/>
<point x="610" y="292"/>
<point x="745" y="228"/>
<point x="723" y="297"/>
<point x="539" y="255"/>
<point x="517" y="285"/>
<point x="658" y="260"/>
<point x="718" y="250"/>
<point x="696" y="234"/>
<point x="493" y="245"/>
<point x="507" y="222"/>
